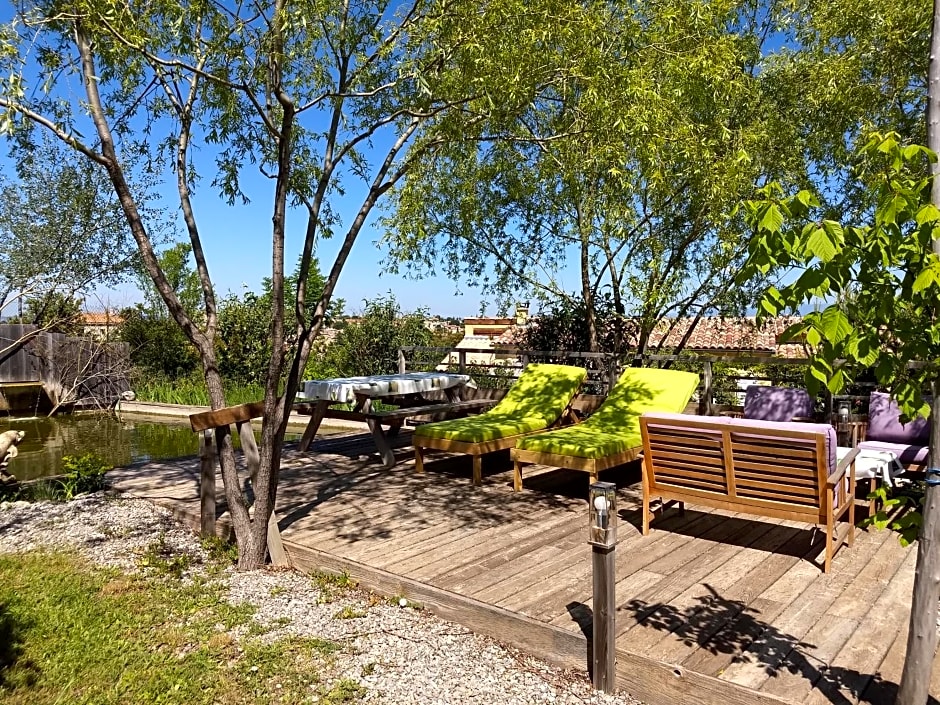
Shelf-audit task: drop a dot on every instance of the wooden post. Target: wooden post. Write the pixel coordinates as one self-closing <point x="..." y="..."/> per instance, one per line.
<point x="605" y="610"/>
<point x="708" y="397"/>
<point x="402" y="363"/>
<point x="253" y="459"/>
<point x="206" y="484"/>
<point x="462" y="361"/>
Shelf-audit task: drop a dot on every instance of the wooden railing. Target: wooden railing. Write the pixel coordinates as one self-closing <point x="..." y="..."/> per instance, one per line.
<point x="213" y="427"/>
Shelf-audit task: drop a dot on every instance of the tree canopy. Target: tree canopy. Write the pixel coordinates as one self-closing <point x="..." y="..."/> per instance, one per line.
<point x="314" y="96"/>
<point x="62" y="233"/>
<point x="889" y="263"/>
<point x="680" y="111"/>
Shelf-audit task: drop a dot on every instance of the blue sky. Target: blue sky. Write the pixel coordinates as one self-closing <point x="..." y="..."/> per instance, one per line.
<point x="237" y="241"/>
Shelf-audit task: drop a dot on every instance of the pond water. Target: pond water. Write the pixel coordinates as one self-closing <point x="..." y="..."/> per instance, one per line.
<point x="117" y="441"/>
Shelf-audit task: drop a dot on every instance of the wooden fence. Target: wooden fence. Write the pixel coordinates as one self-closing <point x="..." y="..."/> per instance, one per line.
<point x="73" y="371"/>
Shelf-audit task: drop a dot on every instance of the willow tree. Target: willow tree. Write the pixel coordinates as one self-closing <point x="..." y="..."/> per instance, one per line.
<point x="62" y="234"/>
<point x="316" y="95"/>
<point x="681" y="109"/>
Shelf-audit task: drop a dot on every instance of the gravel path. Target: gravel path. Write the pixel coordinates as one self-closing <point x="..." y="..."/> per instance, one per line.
<point x="398" y="654"/>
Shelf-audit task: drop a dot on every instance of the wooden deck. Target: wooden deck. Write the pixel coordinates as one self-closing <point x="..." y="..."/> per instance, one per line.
<point x="712" y="607"/>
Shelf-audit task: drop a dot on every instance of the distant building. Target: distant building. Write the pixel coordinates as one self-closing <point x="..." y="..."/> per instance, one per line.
<point x="483" y="335"/>
<point x="100" y="325"/>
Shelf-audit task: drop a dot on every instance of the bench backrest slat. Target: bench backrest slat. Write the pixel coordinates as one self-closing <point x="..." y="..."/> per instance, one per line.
<point x="772" y="469"/>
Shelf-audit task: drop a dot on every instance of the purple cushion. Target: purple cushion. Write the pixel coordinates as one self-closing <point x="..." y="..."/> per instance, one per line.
<point x="907" y="454"/>
<point x="776" y="403"/>
<point x="884" y="423"/>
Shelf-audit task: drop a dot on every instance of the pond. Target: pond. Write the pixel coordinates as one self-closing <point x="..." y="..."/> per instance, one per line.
<point x="117" y="441"/>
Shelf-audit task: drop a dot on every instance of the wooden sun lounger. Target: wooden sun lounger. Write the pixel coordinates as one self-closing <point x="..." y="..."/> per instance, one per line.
<point x="541" y="398"/>
<point x="611" y="435"/>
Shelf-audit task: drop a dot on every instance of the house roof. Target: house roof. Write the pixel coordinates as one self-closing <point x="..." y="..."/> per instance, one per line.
<point x="712" y="334"/>
<point x="733" y="334"/>
<point x="101" y="318"/>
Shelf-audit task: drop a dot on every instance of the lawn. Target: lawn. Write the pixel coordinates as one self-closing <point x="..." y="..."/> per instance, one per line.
<point x="76" y="634"/>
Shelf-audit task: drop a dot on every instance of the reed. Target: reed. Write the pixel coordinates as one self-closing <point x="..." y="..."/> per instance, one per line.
<point x="191" y="391"/>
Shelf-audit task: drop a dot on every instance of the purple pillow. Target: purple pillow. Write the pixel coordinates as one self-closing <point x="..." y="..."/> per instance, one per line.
<point x="884" y="423"/>
<point x="764" y="403"/>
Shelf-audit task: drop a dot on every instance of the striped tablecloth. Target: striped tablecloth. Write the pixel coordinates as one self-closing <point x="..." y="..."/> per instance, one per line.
<point x="344" y="389"/>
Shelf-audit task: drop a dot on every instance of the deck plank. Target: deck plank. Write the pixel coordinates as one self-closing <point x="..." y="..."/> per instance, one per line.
<point x="854" y="666"/>
<point x="732" y="606"/>
<point x="791" y="638"/>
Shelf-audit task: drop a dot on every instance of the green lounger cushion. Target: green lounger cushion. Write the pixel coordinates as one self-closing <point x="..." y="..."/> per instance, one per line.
<point x="615" y="427"/>
<point x="533" y="403"/>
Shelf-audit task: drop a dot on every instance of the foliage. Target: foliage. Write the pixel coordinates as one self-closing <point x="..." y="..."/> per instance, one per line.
<point x="220" y="551"/>
<point x="563" y="327"/>
<point x="369" y="346"/>
<point x="629" y="177"/>
<point x="164" y="634"/>
<point x="61" y="231"/>
<point x="181" y="277"/>
<point x="342" y="106"/>
<point x="56" y="312"/>
<point x="82" y="473"/>
<point x="158" y="346"/>
<point x="245" y="323"/>
<point x="191" y="391"/>
<point x="899" y="510"/>
<point x="886" y="261"/>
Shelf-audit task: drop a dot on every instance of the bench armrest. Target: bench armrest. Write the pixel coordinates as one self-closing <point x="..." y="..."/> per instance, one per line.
<point x="845" y="463"/>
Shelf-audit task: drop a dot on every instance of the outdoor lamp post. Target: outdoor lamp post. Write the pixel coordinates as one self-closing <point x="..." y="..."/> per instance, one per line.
<point x="844" y="436"/>
<point x="602" y="532"/>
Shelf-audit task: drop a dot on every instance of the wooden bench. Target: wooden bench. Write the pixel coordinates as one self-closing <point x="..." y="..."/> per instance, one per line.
<point x="765" y="468"/>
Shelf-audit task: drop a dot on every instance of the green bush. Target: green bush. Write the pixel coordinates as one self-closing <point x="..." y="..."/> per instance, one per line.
<point x="370" y="345"/>
<point x="83" y="473"/>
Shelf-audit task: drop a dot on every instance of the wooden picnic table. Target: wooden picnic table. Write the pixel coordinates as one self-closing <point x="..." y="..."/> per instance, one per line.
<point x="408" y="391"/>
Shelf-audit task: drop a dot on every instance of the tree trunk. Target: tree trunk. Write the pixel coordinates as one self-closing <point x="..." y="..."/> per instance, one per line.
<point x="584" y="225"/>
<point x="922" y="637"/>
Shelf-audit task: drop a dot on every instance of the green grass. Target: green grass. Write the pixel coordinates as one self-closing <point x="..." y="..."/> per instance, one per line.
<point x="191" y="391"/>
<point x="69" y="633"/>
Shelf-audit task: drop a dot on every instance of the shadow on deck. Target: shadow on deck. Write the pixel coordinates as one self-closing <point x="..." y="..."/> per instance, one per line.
<point x="712" y="607"/>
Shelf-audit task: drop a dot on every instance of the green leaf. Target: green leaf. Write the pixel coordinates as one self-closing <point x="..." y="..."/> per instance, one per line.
<point x="836" y="382"/>
<point x="928" y="213"/>
<point x="812" y="336"/>
<point x="926" y="278"/>
<point x="821" y="245"/>
<point x="835" y="324"/>
<point x="771" y="219"/>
